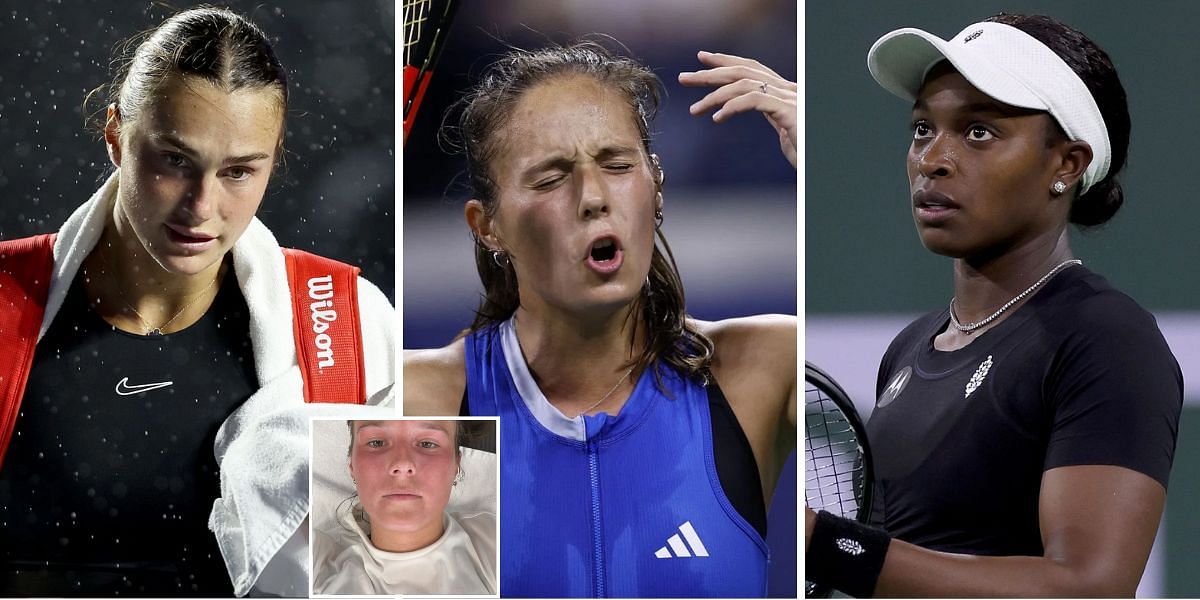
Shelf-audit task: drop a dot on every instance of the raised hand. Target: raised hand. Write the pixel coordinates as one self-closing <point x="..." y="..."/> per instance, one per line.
<point x="743" y="85"/>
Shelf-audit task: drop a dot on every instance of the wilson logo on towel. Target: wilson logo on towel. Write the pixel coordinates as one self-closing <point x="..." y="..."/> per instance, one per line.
<point x="320" y="289"/>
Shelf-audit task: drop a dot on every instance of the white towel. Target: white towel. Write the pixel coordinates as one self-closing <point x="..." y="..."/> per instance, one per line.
<point x="263" y="450"/>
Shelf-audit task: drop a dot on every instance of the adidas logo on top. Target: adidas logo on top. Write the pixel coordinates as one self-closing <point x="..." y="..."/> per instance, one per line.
<point x="676" y="548"/>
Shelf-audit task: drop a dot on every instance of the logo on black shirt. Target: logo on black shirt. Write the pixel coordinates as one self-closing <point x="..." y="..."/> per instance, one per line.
<point x="977" y="378"/>
<point x="894" y="387"/>
<point x="124" y="388"/>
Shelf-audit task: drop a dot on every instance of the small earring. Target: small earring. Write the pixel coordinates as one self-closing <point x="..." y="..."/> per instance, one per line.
<point x="659" y="175"/>
<point x="1058" y="188"/>
<point x="658" y="217"/>
<point x="500" y="258"/>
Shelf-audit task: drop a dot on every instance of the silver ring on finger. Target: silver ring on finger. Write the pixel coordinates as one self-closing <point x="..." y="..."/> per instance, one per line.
<point x="763" y="87"/>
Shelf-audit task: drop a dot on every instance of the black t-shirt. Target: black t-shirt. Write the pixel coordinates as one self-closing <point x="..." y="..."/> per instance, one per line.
<point x="1078" y="375"/>
<point x="110" y="477"/>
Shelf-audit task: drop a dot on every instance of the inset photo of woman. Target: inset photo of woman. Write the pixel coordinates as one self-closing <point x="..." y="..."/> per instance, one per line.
<point x="405" y="506"/>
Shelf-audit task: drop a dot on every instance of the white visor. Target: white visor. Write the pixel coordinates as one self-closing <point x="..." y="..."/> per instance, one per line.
<point x="1008" y="65"/>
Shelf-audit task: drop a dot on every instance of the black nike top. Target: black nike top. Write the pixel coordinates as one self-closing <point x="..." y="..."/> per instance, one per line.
<point x="1078" y="375"/>
<point x="110" y="477"/>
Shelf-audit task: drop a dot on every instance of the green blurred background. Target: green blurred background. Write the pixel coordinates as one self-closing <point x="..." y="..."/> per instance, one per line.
<point x="867" y="275"/>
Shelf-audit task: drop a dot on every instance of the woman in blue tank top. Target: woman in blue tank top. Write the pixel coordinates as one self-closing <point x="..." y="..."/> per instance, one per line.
<point x="626" y="470"/>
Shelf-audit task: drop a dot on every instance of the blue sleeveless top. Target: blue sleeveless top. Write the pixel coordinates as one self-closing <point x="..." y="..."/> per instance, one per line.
<point x="609" y="506"/>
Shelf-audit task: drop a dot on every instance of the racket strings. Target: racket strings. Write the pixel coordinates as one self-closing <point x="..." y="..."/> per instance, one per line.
<point x="416" y="14"/>
<point x="834" y="466"/>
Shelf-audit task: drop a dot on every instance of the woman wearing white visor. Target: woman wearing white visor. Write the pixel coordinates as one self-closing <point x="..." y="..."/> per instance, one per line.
<point x="1023" y="433"/>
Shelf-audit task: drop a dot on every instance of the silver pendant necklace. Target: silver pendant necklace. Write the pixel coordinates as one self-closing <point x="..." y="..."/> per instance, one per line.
<point x="158" y="330"/>
<point x="150" y="329"/>
<point x="971" y="327"/>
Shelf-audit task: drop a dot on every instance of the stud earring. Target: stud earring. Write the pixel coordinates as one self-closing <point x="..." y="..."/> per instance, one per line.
<point x="1058" y="188"/>
<point x="658" y="217"/>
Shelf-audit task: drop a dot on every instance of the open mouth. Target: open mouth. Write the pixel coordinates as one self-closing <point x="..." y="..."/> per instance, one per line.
<point x="933" y="208"/>
<point x="933" y="201"/>
<point x="936" y="205"/>
<point x="605" y="255"/>
<point x="604" y="250"/>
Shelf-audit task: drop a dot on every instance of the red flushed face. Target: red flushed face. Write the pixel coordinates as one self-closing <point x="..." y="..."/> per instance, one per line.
<point x="979" y="170"/>
<point x="577" y="197"/>
<point x="404" y="471"/>
<point x="194" y="166"/>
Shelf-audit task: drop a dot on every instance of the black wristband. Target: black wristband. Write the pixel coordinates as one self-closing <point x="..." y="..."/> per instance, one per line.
<point x="845" y="555"/>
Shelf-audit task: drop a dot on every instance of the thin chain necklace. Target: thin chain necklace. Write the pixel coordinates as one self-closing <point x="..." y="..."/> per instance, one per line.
<point x="970" y="327"/>
<point x="610" y="392"/>
<point x="150" y="329"/>
<point x="598" y="402"/>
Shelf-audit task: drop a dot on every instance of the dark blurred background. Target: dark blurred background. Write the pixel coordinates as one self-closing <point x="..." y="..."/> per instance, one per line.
<point x="730" y="194"/>
<point x="867" y="274"/>
<point x="336" y="195"/>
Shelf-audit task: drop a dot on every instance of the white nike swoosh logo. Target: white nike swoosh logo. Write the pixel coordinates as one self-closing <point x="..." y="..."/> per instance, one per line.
<point x="124" y="389"/>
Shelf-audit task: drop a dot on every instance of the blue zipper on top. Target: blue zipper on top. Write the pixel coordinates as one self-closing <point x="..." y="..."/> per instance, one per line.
<point x="598" y="575"/>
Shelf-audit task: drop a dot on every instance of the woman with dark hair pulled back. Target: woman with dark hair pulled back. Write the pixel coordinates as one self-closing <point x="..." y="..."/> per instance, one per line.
<point x="153" y="440"/>
<point x="628" y="427"/>
<point x="1023" y="434"/>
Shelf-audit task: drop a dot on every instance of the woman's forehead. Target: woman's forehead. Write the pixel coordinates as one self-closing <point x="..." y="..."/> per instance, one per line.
<point x="193" y="107"/>
<point x="943" y="76"/>
<point x="566" y="115"/>
<point x="946" y="88"/>
<point x="407" y="426"/>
